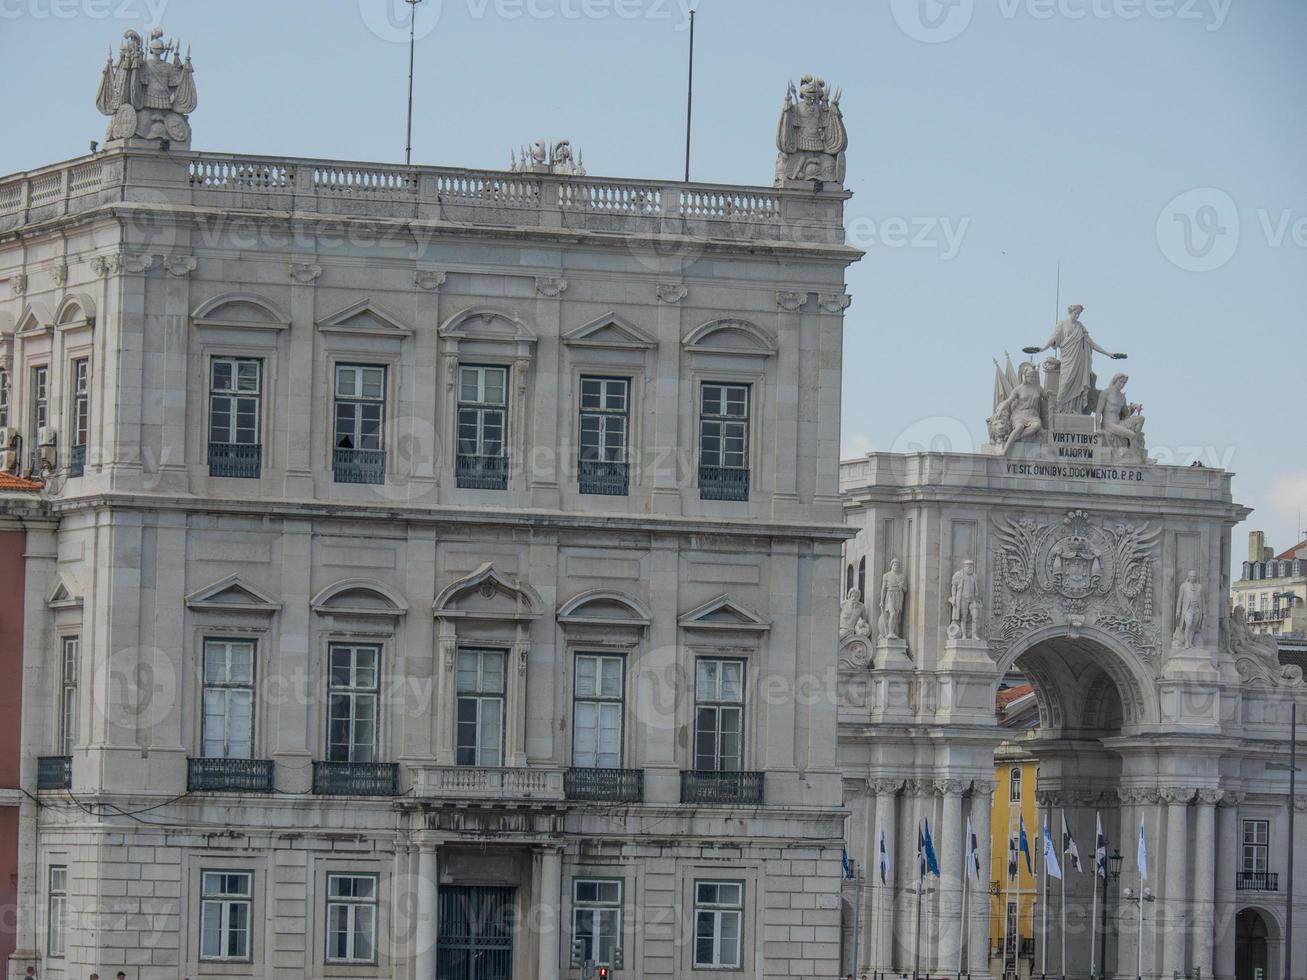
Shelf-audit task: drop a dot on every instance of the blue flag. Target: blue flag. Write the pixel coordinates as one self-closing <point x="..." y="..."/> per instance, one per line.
<point x="846" y="864"/>
<point x="1024" y="847"/>
<point x="928" y="860"/>
<point x="1051" y="867"/>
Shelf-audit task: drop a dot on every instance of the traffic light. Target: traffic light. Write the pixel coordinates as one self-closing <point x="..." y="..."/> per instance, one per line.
<point x="619" y="959"/>
<point x="578" y="952"/>
<point x="603" y="973"/>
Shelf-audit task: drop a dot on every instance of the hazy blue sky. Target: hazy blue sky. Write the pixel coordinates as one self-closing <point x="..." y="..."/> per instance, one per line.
<point x="1007" y="134"/>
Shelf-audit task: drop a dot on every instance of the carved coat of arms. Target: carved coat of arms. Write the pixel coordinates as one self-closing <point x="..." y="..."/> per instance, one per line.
<point x="1076" y="571"/>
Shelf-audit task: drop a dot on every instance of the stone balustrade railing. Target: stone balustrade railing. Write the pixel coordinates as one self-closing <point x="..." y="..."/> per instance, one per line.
<point x="224" y="182"/>
<point x="482" y="782"/>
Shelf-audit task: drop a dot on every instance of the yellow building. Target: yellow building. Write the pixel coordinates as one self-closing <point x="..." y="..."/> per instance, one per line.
<point x="1016" y="773"/>
<point x="1273" y="588"/>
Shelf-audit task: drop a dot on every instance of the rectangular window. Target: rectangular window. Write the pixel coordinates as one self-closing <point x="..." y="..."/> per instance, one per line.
<point x="597" y="917"/>
<point x="1256" y="845"/>
<point x="597" y="712"/>
<point x="358" y="433"/>
<point x="724" y="442"/>
<point x="719" y="715"/>
<point x="4" y="400"/>
<point x="225" y="906"/>
<point x="57" y="922"/>
<point x="353" y="702"/>
<point x="603" y="466"/>
<point x="482" y="420"/>
<point x="481" y="707"/>
<point x="718" y="920"/>
<point x="351" y="918"/>
<point x="80" y="415"/>
<point x="235" y="392"/>
<point x="71" y="646"/>
<point x="40" y="402"/>
<point x="228" y="704"/>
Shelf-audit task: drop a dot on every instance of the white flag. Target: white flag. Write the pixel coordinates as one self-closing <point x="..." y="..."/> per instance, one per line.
<point x="1100" y="847"/>
<point x="1051" y="867"/>
<point x="1143" y="853"/>
<point x="973" y="852"/>
<point x="1069" y="848"/>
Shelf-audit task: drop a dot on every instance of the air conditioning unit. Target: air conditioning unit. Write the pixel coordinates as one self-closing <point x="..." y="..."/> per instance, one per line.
<point x="7" y="436"/>
<point x="47" y="436"/>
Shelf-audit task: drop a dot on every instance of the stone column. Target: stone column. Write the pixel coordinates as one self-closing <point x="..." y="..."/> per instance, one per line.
<point x="1227" y="854"/>
<point x="1173" y="914"/>
<point x="948" y="850"/>
<point x="882" y="951"/>
<point x="426" y="935"/>
<point x="549" y="897"/>
<point x="982" y="797"/>
<point x="1205" y="870"/>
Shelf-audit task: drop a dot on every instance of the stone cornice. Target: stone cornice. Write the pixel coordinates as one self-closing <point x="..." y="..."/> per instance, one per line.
<point x="507" y="517"/>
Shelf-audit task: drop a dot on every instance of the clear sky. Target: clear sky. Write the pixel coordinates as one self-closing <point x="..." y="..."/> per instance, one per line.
<point x="1157" y="148"/>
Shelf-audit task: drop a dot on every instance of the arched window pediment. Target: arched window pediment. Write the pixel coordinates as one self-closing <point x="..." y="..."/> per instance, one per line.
<point x="241" y="310"/>
<point x="604" y="607"/>
<point x="730" y="336"/>
<point x="359" y="597"/>
<point x="488" y="595"/>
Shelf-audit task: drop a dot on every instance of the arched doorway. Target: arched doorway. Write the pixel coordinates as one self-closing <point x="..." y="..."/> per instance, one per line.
<point x="1252" y="937"/>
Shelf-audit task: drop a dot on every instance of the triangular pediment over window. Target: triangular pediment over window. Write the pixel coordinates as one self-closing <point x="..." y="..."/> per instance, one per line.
<point x="233" y="594"/>
<point x="723" y="613"/>
<point x="365" y="318"/>
<point x="64" y="596"/>
<point x="487" y="594"/>
<point x="610" y="330"/>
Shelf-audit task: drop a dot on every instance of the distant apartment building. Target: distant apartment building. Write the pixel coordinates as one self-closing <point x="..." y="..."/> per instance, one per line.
<point x="1273" y="589"/>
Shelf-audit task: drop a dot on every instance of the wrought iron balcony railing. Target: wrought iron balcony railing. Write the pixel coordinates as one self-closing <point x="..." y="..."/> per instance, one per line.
<point x="356" y="778"/>
<point x="707" y="786"/>
<point x="605" y="785"/>
<point x="359" y="465"/>
<point x="723" y="482"/>
<point x="481" y="472"/>
<point x="1257" y="881"/>
<point x="54" y="772"/>
<point x="77" y="461"/>
<point x="602" y="477"/>
<point x="236" y="459"/>
<point x="237" y="775"/>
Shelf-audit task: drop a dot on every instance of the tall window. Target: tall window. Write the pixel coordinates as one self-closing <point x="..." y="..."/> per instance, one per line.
<point x="225" y="903"/>
<point x="597" y="712"/>
<point x="718" y="917"/>
<point x="1256" y="845"/>
<point x="353" y="701"/>
<point x="57" y="920"/>
<point x="481" y="707"/>
<point x="482" y="418"/>
<point x="235" y="390"/>
<point x="597" y="917"/>
<point x="724" y="442"/>
<point x="719" y="715"/>
<point x="80" y="416"/>
<point x="40" y="399"/>
<point x="1014" y="785"/>
<point x="228" y="699"/>
<point x="360" y="416"/>
<point x="70" y="647"/>
<point x="605" y="405"/>
<point x="351" y="918"/>
<point x="4" y="400"/>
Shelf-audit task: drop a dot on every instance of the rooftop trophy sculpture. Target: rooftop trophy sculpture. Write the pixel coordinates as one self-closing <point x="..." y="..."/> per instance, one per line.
<point x="811" y="138"/>
<point x="1067" y="417"/>
<point x="149" y="95"/>
<point x="541" y="158"/>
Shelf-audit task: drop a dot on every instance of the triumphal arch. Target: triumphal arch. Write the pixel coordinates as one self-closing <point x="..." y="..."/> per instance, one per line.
<point x="1063" y="551"/>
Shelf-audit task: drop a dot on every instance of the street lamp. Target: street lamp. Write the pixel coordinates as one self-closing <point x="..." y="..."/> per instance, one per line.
<point x="1146" y="895"/>
<point x="1112" y="871"/>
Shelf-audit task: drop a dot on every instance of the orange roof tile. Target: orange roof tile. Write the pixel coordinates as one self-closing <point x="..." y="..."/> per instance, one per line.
<point x="1009" y="694"/>
<point x="17" y="484"/>
<point x="1292" y="553"/>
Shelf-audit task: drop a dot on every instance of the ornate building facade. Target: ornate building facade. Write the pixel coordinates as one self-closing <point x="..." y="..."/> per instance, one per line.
<point x="432" y="559"/>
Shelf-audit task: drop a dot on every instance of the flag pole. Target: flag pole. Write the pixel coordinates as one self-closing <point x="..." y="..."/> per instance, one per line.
<point x="412" y="27"/>
<point x="1007" y="898"/>
<point x="1062" y="898"/>
<point x="1043" y="937"/>
<point x="689" y="99"/>
<point x="921" y="887"/>
<point x="857" y="913"/>
<point x="962" y="921"/>
<point x="1093" y="917"/>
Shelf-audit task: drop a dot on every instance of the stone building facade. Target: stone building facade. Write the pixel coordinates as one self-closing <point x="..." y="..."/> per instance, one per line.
<point x="1272" y="589"/>
<point x="434" y="559"/>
